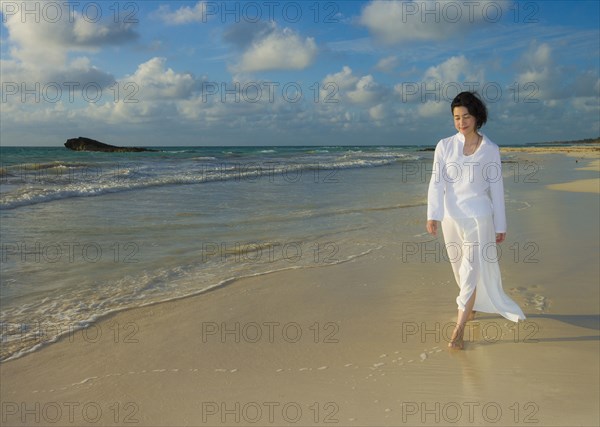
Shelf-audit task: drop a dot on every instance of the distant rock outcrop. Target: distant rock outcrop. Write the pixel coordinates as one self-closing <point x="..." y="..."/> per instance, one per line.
<point x="87" y="144"/>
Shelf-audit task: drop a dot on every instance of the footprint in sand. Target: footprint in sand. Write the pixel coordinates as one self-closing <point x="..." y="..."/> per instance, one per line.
<point x="423" y="356"/>
<point x="531" y="298"/>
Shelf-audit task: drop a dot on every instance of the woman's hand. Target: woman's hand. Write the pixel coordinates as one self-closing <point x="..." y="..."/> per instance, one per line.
<point x="432" y="226"/>
<point x="500" y="237"/>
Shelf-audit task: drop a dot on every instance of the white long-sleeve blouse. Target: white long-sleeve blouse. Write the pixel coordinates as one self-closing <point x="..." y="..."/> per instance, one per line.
<point x="466" y="186"/>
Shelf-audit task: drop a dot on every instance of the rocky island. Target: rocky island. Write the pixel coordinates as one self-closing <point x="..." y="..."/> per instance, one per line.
<point x="88" y="144"/>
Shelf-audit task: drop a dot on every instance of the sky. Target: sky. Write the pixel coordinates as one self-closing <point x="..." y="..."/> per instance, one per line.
<point x="175" y="73"/>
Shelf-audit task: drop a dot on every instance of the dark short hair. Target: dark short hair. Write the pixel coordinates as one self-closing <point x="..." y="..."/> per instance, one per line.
<point x="475" y="106"/>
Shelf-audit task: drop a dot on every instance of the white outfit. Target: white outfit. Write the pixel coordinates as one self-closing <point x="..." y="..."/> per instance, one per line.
<point x="466" y="193"/>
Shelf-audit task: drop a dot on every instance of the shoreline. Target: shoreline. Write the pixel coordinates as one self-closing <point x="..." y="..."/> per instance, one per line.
<point x="361" y="342"/>
<point x="68" y="334"/>
<point x="590" y="150"/>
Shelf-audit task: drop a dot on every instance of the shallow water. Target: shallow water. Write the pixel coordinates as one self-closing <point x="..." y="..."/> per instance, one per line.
<point x="86" y="234"/>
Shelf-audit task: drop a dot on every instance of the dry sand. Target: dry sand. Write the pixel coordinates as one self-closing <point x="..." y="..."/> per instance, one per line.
<point x="591" y="185"/>
<point x="354" y="344"/>
<point x="583" y="151"/>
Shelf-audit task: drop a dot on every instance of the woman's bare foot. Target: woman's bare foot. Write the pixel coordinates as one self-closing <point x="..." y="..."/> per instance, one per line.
<point x="456" y="344"/>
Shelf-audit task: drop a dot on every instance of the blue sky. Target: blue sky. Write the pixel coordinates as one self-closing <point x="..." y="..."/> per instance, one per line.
<point x="295" y="72"/>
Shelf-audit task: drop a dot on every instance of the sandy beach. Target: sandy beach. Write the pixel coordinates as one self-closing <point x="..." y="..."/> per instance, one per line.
<point x="361" y="343"/>
<point x="582" y="151"/>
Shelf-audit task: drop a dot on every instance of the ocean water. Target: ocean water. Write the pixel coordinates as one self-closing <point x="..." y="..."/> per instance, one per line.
<point x="87" y="234"/>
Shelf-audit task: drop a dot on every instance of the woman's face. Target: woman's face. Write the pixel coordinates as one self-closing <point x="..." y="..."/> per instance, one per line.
<point x="463" y="121"/>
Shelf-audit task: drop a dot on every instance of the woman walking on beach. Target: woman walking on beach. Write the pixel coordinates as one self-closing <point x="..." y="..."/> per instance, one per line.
<point x="466" y="194"/>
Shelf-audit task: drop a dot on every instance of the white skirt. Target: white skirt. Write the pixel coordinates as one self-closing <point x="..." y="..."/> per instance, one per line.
<point x="471" y="247"/>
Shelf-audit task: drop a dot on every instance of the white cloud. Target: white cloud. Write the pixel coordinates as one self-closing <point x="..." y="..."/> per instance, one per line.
<point x="279" y="50"/>
<point x="353" y="89"/>
<point x="387" y="64"/>
<point x="539" y="76"/>
<point x="587" y="105"/>
<point x="401" y="21"/>
<point x="343" y="80"/>
<point x="433" y="109"/>
<point x="40" y="53"/>
<point x="454" y="69"/>
<point x="361" y="101"/>
<point x="46" y="43"/>
<point x="440" y="83"/>
<point x="156" y="82"/>
<point x="68" y="82"/>
<point x="167" y="96"/>
<point x="541" y="56"/>
<point x="183" y="15"/>
<point x="366" y="91"/>
<point x="542" y="77"/>
<point x="378" y="112"/>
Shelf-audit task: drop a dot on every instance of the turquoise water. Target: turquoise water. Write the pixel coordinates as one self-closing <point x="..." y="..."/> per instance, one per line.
<point x="87" y="234"/>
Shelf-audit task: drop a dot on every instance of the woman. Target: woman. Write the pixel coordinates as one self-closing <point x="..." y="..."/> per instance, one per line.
<point x="466" y="194"/>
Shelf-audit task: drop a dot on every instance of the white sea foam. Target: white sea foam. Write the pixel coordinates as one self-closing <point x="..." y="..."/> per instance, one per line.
<point x="89" y="179"/>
